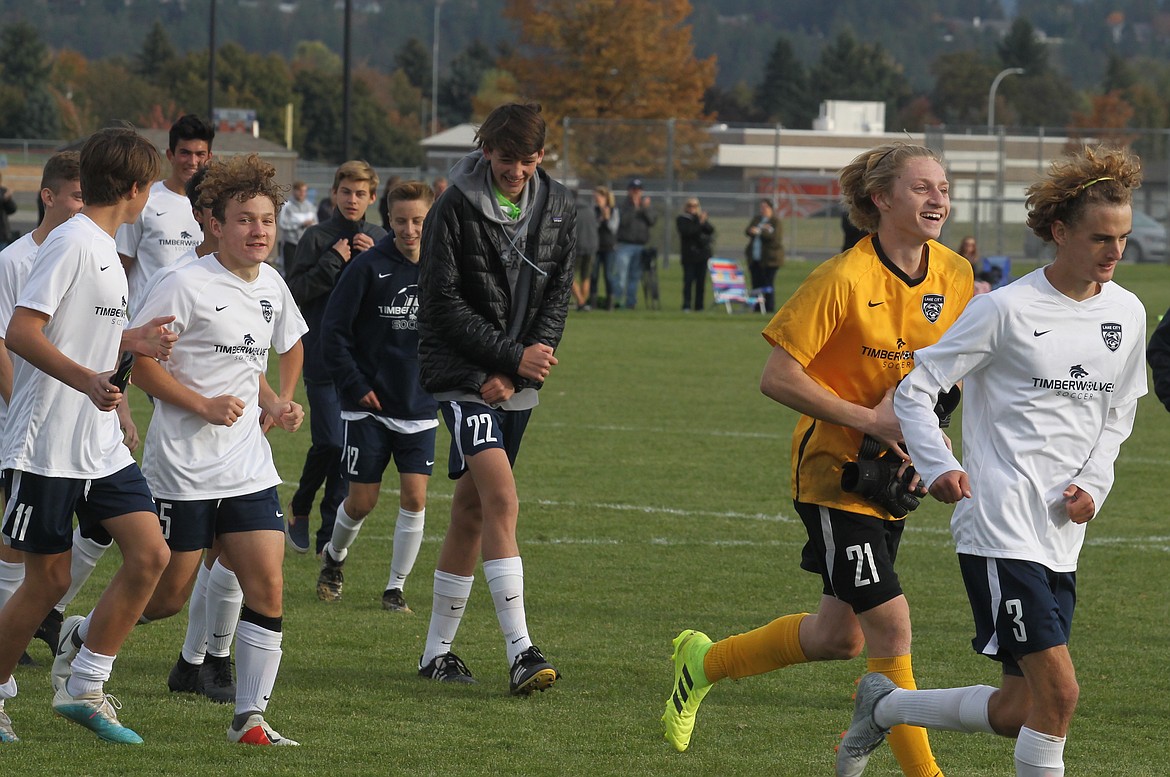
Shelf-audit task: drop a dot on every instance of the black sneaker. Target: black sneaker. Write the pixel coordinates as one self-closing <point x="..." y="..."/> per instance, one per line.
<point x="532" y="672"/>
<point x="183" y="676"/>
<point x="49" y="631"/>
<point x="393" y="600"/>
<point x="331" y="579"/>
<point x="446" y="668"/>
<point x="215" y="680"/>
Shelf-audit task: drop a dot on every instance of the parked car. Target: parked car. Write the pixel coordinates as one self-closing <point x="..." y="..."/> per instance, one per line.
<point x="1147" y="242"/>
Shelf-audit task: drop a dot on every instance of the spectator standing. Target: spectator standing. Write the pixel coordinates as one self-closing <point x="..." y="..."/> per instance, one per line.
<point x="297" y="215"/>
<point x="633" y="233"/>
<point x="588" y="234"/>
<point x="696" y="237"/>
<point x="607" y="218"/>
<point x="765" y="251"/>
<point x="7" y="208"/>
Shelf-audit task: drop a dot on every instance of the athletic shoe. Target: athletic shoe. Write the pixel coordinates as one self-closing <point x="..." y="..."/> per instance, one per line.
<point x="446" y="668"/>
<point x="393" y="600"/>
<point x="67" y="649"/>
<point x="95" y="711"/>
<point x="7" y="735"/>
<point x="532" y="672"/>
<point x="257" y="732"/>
<point x="26" y="660"/>
<point x="296" y="531"/>
<point x="330" y="580"/>
<point x="183" y="676"/>
<point x="864" y="735"/>
<point x="215" y="679"/>
<point x="678" y="722"/>
<point x="49" y="631"/>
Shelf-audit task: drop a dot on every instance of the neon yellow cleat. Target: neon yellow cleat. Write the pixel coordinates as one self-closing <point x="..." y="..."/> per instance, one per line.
<point x="690" y="686"/>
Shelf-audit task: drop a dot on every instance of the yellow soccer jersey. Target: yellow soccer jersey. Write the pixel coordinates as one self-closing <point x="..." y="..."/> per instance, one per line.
<point x="854" y="325"/>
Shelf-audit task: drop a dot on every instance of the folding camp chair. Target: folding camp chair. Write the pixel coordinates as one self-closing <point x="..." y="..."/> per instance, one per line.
<point x="728" y="284"/>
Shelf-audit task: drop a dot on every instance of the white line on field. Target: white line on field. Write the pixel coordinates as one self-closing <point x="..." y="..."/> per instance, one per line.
<point x="689" y="431"/>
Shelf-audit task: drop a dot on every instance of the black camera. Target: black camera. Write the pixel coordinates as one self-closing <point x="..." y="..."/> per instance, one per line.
<point x="874" y="475"/>
<point x="876" y="478"/>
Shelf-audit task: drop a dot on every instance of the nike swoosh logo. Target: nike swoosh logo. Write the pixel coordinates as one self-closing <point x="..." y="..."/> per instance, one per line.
<point x="103" y="269"/>
<point x="266" y="698"/>
<point x="460" y="607"/>
<point x="518" y="639"/>
<point x="431" y="462"/>
<point x="510" y="598"/>
<point x="218" y="308"/>
<point x="161" y="212"/>
<point x="444" y="642"/>
<point x="384" y="275"/>
<point x="280" y="515"/>
<point x="1037" y="333"/>
<point x="875" y="304"/>
<point x="221" y="636"/>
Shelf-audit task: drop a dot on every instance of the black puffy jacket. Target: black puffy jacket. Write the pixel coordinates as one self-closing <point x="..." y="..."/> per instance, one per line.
<point x="465" y="301"/>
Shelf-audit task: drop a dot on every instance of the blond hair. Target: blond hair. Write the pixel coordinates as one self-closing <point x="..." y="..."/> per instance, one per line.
<point x="873" y="172"/>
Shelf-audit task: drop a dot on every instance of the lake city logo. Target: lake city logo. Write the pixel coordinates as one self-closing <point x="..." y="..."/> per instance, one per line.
<point x="266" y="309"/>
<point x="932" y="305"/>
<point x="1111" y="334"/>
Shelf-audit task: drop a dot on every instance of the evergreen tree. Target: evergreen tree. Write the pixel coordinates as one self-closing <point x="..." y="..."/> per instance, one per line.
<point x="783" y="94"/>
<point x="414" y="60"/>
<point x="459" y="88"/>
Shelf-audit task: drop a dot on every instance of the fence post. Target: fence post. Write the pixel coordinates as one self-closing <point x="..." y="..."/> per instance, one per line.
<point x="670" y="214"/>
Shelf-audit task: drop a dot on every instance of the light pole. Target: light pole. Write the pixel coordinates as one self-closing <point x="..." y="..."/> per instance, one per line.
<point x="435" y="72"/>
<point x="1011" y="71"/>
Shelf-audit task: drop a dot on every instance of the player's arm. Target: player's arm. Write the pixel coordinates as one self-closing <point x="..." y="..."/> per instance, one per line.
<point x="281" y="408"/>
<point x="548" y="325"/>
<point x="786" y="381"/>
<point x="339" y="337"/>
<point x="150" y="376"/>
<point x="5" y="373"/>
<point x="26" y="338"/>
<point x="929" y="447"/>
<point x="126" y="423"/>
<point x="152" y="339"/>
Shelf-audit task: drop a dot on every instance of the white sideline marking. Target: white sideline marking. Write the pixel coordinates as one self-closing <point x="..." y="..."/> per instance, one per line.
<point x="670" y="430"/>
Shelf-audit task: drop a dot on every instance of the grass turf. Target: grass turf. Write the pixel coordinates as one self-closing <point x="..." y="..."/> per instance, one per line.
<point x="654" y="496"/>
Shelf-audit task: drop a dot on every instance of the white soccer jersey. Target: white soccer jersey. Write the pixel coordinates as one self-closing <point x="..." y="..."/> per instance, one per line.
<point x="165" y="231"/>
<point x="225" y="326"/>
<point x="1050" y="390"/>
<point x="15" y="261"/>
<point x="53" y="430"/>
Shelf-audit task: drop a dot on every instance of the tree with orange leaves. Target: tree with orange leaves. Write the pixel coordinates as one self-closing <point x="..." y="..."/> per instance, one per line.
<point x="630" y="60"/>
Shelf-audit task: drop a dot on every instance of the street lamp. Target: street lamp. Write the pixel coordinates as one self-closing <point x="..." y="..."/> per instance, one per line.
<point x="435" y="72"/>
<point x="1011" y="71"/>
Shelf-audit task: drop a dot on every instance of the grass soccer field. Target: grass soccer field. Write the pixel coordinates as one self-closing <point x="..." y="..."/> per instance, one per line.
<point x="654" y="494"/>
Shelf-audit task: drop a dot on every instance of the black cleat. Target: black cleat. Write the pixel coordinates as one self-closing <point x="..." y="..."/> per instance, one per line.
<point x="393" y="600"/>
<point x="215" y="680"/>
<point x="446" y="668"/>
<point x="532" y="672"/>
<point x="49" y="631"/>
<point x="331" y="579"/>
<point x="183" y="676"/>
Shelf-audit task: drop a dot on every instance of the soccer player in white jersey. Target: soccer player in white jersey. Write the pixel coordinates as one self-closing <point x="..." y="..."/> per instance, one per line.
<point x="1052" y="368"/>
<point x="206" y="457"/>
<point x="63" y="444"/>
<point x="166" y="229"/>
<point x="61" y="196"/>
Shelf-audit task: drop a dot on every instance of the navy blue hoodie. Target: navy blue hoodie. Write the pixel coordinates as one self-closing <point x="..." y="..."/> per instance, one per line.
<point x="369" y="335"/>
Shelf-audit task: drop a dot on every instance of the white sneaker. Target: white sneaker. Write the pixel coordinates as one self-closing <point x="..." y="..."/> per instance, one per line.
<point x="7" y="735"/>
<point x="95" y="711"/>
<point x="864" y="734"/>
<point x="67" y="650"/>
<point x="258" y="732"/>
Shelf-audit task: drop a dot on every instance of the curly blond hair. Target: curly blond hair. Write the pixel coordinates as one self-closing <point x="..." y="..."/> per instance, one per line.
<point x="1092" y="176"/>
<point x="873" y="172"/>
<point x="238" y="178"/>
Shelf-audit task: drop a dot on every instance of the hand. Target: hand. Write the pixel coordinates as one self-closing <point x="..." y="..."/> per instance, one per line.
<point x="497" y="389"/>
<point x="885" y="427"/>
<point x="342" y="248"/>
<point x="536" y="362"/>
<point x="153" y="340"/>
<point x="951" y="486"/>
<point x="362" y="242"/>
<point x="129" y="429"/>
<point x="287" y="415"/>
<point x="370" y="400"/>
<point x="646" y="201"/>
<point x="223" y="410"/>
<point x="1079" y="504"/>
<point x="104" y="395"/>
